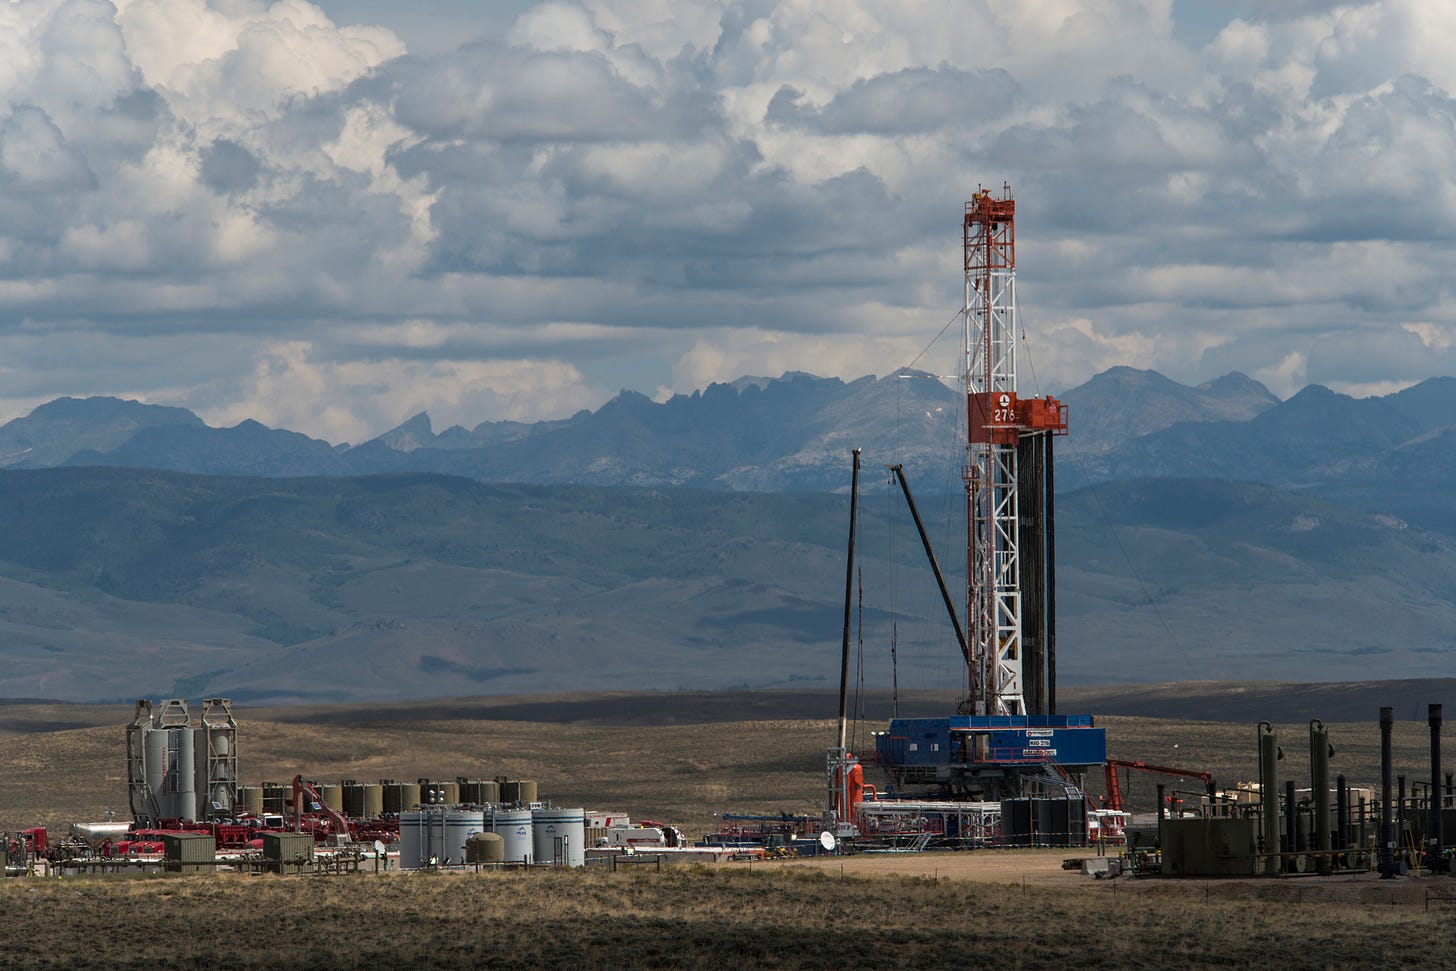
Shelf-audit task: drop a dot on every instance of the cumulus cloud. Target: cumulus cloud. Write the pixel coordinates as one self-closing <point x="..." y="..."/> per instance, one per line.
<point x="902" y="103"/>
<point x="253" y="210"/>
<point x="353" y="400"/>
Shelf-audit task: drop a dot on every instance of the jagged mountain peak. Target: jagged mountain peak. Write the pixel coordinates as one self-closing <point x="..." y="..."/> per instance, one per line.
<point x="415" y="433"/>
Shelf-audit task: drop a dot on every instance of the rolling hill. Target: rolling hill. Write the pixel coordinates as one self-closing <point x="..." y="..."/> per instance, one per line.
<point x="120" y="583"/>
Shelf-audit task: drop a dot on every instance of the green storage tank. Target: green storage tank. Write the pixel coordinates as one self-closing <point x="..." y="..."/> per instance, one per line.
<point x="353" y="800"/>
<point x="373" y="801"/>
<point x="250" y="798"/>
<point x="485" y="848"/>
<point x="332" y="796"/>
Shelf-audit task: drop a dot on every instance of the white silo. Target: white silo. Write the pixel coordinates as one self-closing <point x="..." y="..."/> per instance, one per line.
<point x="459" y="825"/>
<point x="414" y="839"/>
<point x="515" y="828"/>
<point x="437" y="835"/>
<point x="559" y="836"/>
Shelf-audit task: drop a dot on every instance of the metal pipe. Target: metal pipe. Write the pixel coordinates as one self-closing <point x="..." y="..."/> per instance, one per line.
<point x="1387" y="830"/>
<point x="1162" y="803"/>
<point x="1342" y="813"/>
<point x="1291" y="821"/>
<point x="899" y="472"/>
<point x="848" y="598"/>
<point x="1319" y="779"/>
<point x="1364" y="821"/>
<point x="1435" y="838"/>
<point x="1400" y="811"/>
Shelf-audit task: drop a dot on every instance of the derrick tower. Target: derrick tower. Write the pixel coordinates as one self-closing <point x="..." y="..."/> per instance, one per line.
<point x="1003" y="432"/>
<point x="1007" y="739"/>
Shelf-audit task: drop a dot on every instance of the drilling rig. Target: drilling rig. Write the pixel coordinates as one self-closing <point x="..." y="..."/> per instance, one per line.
<point x="1006" y="739"/>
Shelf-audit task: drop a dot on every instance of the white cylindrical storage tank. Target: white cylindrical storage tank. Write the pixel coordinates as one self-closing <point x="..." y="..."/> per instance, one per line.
<point x="459" y="825"/>
<point x="514" y="827"/>
<point x="438" y="834"/>
<point x="414" y="839"/>
<point x="560" y="836"/>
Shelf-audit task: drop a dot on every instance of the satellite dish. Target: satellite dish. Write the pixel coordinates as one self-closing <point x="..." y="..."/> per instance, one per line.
<point x="827" y="840"/>
<point x="379" y="847"/>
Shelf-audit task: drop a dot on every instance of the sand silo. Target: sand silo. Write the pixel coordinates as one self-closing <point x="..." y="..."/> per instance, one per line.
<point x="176" y="770"/>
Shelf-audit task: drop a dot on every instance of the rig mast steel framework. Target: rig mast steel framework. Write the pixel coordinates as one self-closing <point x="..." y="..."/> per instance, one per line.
<point x="996" y="421"/>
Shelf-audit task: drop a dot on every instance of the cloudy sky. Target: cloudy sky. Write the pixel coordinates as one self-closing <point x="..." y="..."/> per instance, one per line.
<point x="331" y="216"/>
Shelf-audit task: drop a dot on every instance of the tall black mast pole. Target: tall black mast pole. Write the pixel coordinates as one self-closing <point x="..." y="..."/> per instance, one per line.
<point x="1051" y="579"/>
<point x="848" y="600"/>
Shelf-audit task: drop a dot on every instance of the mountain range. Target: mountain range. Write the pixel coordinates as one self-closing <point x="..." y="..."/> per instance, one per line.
<point x="793" y="433"/>
<point x="1210" y="532"/>
<point x="786" y="434"/>
<point x="1393" y="455"/>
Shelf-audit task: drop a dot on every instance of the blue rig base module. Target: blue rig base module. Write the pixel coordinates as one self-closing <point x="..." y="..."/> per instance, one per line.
<point x="993" y="756"/>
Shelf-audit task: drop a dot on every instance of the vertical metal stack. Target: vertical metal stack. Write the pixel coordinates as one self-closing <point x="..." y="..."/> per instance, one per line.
<point x="1319" y="784"/>
<point x="1269" y="798"/>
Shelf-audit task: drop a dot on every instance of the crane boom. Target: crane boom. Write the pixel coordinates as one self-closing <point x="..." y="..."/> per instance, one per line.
<point x="898" y="471"/>
<point x="1114" y="790"/>
<point x="302" y="788"/>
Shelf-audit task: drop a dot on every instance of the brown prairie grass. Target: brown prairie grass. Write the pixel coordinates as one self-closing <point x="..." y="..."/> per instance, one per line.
<point x="692" y="917"/>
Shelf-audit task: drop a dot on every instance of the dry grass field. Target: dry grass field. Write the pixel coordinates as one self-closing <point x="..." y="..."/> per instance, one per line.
<point x="1018" y="910"/>
<point x="691" y="917"/>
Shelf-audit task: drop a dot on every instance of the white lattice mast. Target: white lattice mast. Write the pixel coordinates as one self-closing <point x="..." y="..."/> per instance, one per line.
<point x="996" y="420"/>
<point x="994" y="594"/>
